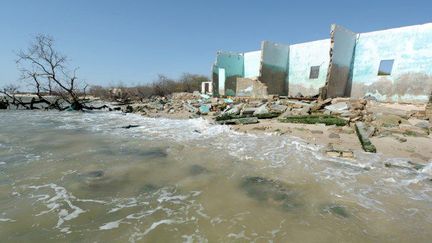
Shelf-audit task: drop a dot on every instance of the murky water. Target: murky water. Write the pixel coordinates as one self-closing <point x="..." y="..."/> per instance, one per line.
<point x="68" y="177"/>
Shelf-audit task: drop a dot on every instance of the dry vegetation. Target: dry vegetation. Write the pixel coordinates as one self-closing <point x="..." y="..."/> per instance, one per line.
<point x="162" y="86"/>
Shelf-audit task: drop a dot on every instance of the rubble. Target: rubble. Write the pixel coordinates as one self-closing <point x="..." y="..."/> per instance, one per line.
<point x="406" y="165"/>
<point x="263" y="112"/>
<point x="238" y="121"/>
<point x="204" y="109"/>
<point x="363" y="135"/>
<point x="338" y="107"/>
<point x="340" y="154"/>
<point x="321" y="104"/>
<point x="367" y="118"/>
<point x="314" y="119"/>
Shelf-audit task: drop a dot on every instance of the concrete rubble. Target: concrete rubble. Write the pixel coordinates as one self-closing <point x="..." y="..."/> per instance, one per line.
<point x="369" y="119"/>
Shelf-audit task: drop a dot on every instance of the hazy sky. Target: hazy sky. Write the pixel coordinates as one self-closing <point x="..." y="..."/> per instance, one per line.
<point x="133" y="41"/>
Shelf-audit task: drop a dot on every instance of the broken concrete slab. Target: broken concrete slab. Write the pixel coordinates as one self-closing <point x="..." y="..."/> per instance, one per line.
<point x="384" y="120"/>
<point x="226" y="116"/>
<point x="297" y="112"/>
<point x="190" y="108"/>
<point x="239" y="121"/>
<point x="420" y="123"/>
<point x="338" y="107"/>
<point x="228" y="100"/>
<point x="204" y="109"/>
<point x="314" y="119"/>
<point x="263" y="112"/>
<point x="234" y="110"/>
<point x="358" y="104"/>
<point x="336" y="151"/>
<point x="321" y="104"/>
<point x="362" y="134"/>
<point x="278" y="108"/>
<point x="407" y="165"/>
<point x="248" y="111"/>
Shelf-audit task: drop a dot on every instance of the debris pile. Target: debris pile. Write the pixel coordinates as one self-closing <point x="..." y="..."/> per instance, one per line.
<point x="367" y="117"/>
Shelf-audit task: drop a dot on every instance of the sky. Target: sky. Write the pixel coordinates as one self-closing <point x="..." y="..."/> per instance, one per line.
<point x="131" y="42"/>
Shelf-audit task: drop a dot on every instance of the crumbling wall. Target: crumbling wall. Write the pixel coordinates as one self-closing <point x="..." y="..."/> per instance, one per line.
<point x="301" y="58"/>
<point x="232" y="65"/>
<point x="343" y="43"/>
<point x="252" y="63"/>
<point x="247" y="87"/>
<point x="411" y="76"/>
<point x="274" y="67"/>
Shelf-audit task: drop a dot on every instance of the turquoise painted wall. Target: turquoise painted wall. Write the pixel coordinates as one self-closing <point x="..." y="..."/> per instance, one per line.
<point x="252" y="62"/>
<point x="231" y="62"/>
<point x="411" y="77"/>
<point x="232" y="66"/>
<point x="301" y="58"/>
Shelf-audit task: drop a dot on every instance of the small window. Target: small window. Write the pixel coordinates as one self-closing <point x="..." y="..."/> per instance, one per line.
<point x="314" y="72"/>
<point x="385" y="67"/>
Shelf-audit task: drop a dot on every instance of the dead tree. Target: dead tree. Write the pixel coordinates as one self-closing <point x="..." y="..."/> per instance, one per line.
<point x="46" y="70"/>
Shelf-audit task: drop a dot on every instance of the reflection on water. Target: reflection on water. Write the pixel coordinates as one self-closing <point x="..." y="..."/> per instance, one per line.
<point x="82" y="177"/>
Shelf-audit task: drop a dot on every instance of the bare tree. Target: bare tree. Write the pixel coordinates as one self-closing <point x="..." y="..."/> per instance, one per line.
<point x="46" y="70"/>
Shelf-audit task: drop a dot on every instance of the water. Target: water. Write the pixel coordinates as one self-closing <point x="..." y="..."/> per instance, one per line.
<point x="71" y="176"/>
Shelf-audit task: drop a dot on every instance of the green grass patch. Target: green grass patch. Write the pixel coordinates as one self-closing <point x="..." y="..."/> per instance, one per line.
<point x="314" y="119"/>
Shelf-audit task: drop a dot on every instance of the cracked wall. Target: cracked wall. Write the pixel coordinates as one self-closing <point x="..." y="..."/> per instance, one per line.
<point x="411" y="77"/>
<point x="301" y="58"/>
<point x="247" y="87"/>
<point x="348" y="66"/>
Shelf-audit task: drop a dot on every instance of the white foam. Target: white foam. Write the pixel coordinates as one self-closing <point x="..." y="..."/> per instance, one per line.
<point x="427" y="170"/>
<point x="156" y="224"/>
<point x="143" y="214"/>
<point x="275" y="151"/>
<point x="7" y="220"/>
<point x="126" y="203"/>
<point x="111" y="225"/>
<point x="61" y="199"/>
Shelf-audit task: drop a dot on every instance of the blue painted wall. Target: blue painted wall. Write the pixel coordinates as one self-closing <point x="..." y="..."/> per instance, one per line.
<point x="252" y="62"/>
<point x="411" y="77"/>
<point x="301" y="58"/>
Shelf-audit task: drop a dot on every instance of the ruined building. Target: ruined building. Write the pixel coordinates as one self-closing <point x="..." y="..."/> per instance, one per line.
<point x="392" y="65"/>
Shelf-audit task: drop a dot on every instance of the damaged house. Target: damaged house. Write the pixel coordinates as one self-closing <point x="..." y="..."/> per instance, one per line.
<point x="392" y="65"/>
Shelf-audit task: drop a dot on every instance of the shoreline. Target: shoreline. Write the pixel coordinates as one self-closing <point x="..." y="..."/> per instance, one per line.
<point x="330" y="138"/>
<point x="337" y="141"/>
<point x="396" y="130"/>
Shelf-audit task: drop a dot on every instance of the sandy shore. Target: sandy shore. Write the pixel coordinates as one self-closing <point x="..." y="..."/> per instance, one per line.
<point x="413" y="148"/>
